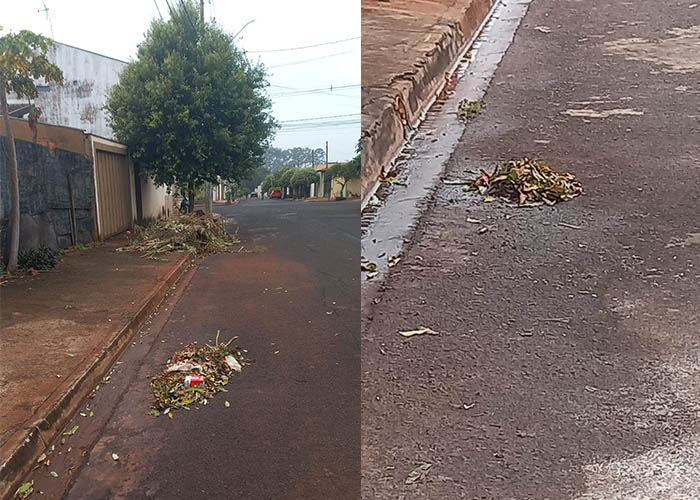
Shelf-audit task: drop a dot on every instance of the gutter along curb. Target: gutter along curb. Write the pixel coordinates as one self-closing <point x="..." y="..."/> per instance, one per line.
<point x="19" y="453"/>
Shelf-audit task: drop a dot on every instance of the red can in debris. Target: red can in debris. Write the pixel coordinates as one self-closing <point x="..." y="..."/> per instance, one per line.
<point x="194" y="380"/>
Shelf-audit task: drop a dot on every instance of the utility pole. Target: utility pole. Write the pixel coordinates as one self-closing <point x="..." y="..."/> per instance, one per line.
<point x="207" y="185"/>
<point x="313" y="164"/>
<point x="330" y="193"/>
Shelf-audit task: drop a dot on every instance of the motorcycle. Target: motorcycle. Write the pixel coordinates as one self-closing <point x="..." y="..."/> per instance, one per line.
<point x="184" y="205"/>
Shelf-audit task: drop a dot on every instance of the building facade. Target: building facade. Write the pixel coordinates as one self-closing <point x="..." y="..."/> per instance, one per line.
<point x="79" y="102"/>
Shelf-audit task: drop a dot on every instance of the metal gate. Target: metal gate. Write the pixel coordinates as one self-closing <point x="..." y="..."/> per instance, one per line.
<point x="113" y="192"/>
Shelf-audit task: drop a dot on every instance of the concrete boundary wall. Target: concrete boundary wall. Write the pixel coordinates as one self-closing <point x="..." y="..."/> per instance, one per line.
<point x="58" y="197"/>
<point x="56" y="189"/>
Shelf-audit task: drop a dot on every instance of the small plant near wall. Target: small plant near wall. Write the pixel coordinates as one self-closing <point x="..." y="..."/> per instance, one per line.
<point x="39" y="259"/>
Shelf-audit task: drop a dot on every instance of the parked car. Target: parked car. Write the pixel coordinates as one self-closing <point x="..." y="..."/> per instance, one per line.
<point x="276" y="194"/>
<point x="253" y="194"/>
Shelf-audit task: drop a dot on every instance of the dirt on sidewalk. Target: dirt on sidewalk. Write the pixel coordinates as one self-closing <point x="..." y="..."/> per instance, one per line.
<point x="566" y="365"/>
<point x="56" y="323"/>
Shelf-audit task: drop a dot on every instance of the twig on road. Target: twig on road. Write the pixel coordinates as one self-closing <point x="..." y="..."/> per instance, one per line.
<point x="557" y="320"/>
<point x="570" y="226"/>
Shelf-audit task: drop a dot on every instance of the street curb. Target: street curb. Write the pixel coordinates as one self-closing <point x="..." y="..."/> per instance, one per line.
<point x="409" y="96"/>
<point x="26" y="444"/>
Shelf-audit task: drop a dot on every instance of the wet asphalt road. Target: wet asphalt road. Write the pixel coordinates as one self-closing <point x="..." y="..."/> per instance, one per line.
<point x="567" y="362"/>
<point x="292" y="428"/>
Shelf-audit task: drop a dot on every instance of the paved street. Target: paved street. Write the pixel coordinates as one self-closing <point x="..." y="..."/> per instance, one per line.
<point x="292" y="428"/>
<point x="567" y="361"/>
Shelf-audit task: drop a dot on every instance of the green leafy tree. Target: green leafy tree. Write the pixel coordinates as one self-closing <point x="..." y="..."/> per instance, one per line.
<point x="276" y="158"/>
<point x="284" y="177"/>
<point x="302" y="178"/>
<point x="23" y="60"/>
<point x="345" y="172"/>
<point x="318" y="156"/>
<point x="299" y="157"/>
<point x="274" y="180"/>
<point x="192" y="107"/>
<point x="267" y="183"/>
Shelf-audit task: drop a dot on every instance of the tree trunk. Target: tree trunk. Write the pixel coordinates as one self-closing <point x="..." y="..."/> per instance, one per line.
<point x="207" y="197"/>
<point x="190" y="195"/>
<point x="14" y="182"/>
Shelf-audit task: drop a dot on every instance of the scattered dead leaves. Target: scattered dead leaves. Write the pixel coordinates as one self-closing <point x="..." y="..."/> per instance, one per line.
<point x="216" y="363"/>
<point x="197" y="234"/>
<point x="527" y="182"/>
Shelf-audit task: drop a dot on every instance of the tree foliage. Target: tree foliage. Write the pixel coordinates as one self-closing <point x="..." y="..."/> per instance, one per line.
<point x="192" y="107"/>
<point x="267" y="183"/>
<point x="23" y="60"/>
<point x="276" y="158"/>
<point x="290" y="177"/>
<point x="285" y="177"/>
<point x="303" y="177"/>
<point x="345" y="172"/>
<point x="348" y="171"/>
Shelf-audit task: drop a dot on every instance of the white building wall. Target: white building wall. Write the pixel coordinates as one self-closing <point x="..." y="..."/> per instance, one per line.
<point x="87" y="78"/>
<point x="155" y="201"/>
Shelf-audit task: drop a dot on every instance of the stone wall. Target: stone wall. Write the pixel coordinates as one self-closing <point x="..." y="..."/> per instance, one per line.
<point x="44" y="195"/>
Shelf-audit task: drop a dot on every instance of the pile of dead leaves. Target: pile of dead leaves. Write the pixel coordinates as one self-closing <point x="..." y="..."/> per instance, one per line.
<point x="197" y="234"/>
<point x="529" y="183"/>
<point x="217" y="363"/>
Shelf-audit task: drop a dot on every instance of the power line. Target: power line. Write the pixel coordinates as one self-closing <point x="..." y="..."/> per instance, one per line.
<point x="329" y="94"/>
<point x="313" y="59"/>
<point x="316" y="126"/>
<point x="336" y="126"/>
<point x="303" y="46"/>
<point x="318" y="118"/>
<point x="324" y="123"/>
<point x="319" y="125"/>
<point x="170" y="9"/>
<point x="330" y="87"/>
<point x="184" y="7"/>
<point x="324" y="90"/>
<point x="298" y="92"/>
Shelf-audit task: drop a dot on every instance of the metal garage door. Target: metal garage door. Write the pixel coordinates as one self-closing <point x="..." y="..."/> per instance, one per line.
<point x="113" y="183"/>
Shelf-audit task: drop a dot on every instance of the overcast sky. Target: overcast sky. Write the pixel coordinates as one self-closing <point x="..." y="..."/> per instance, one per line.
<point x="114" y="28"/>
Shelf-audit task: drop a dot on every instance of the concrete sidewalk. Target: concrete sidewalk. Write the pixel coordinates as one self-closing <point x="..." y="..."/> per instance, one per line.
<point x="61" y="330"/>
<point x="407" y="48"/>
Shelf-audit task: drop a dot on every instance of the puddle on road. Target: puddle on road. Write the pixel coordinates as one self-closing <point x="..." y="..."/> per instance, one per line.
<point x="680" y="53"/>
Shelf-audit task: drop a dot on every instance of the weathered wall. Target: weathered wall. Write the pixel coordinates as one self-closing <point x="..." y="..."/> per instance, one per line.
<point x="44" y="195"/>
<point x="154" y="200"/>
<point x="78" y="103"/>
<point x="352" y="188"/>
